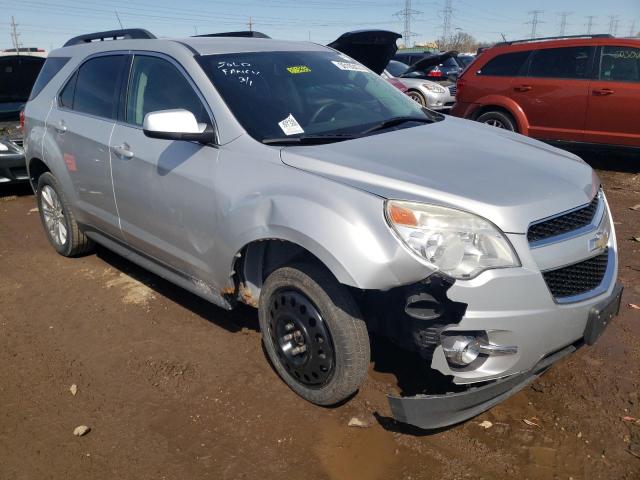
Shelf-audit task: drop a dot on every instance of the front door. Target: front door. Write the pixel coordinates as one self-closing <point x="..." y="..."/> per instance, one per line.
<point x="554" y="93"/>
<point x="614" y="98"/>
<point x="164" y="187"/>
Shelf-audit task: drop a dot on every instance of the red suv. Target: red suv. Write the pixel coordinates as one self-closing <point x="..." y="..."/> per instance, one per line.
<point x="569" y="90"/>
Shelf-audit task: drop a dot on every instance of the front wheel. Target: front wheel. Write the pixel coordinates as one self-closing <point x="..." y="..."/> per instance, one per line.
<point x="417" y="97"/>
<point x="313" y="333"/>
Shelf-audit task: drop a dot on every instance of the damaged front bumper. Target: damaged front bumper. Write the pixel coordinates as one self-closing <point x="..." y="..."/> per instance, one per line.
<point x="436" y="411"/>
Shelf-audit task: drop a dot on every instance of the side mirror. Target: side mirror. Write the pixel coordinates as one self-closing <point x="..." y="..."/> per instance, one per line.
<point x="178" y="124"/>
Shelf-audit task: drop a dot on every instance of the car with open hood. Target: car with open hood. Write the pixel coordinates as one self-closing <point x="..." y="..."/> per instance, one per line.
<point x="18" y="72"/>
<point x="292" y="178"/>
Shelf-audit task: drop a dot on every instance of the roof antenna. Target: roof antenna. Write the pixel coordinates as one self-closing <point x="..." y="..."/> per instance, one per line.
<point x="118" y="17"/>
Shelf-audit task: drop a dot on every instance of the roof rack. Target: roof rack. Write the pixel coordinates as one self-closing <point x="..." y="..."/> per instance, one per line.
<point x="125" y="34"/>
<point x="245" y="33"/>
<point x="542" y="39"/>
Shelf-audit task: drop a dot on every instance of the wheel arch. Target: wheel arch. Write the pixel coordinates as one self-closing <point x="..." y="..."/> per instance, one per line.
<point x="503" y="104"/>
<point x="35" y="168"/>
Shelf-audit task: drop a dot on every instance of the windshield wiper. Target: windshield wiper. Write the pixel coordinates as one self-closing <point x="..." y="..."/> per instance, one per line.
<point x="392" y="122"/>
<point x="308" y="139"/>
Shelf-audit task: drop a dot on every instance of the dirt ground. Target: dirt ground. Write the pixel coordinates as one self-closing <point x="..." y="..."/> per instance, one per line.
<point x="175" y="388"/>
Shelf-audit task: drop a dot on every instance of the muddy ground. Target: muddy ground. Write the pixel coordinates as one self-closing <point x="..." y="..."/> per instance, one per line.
<point x="174" y="388"/>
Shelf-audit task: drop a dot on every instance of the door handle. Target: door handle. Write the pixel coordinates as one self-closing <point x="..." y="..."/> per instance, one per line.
<point x="603" y="92"/>
<point x="123" y="151"/>
<point x="522" y="88"/>
<point x="60" y="127"/>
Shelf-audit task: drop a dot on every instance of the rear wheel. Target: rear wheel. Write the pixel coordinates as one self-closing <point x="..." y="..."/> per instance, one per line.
<point x="418" y="97"/>
<point x="498" y="119"/>
<point x="313" y="333"/>
<point x="58" y="220"/>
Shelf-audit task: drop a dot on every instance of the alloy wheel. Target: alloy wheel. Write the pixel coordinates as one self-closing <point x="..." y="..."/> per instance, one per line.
<point x="53" y="213"/>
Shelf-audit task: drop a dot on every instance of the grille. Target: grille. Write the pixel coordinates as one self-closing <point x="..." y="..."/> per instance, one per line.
<point x="564" y="223"/>
<point x="578" y="278"/>
<point x="453" y="89"/>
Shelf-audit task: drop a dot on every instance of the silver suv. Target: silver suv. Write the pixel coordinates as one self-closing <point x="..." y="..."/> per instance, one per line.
<point x="290" y="177"/>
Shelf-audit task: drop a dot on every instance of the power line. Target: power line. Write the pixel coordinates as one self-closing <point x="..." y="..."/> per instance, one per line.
<point x="563" y="22"/>
<point x="406" y="15"/>
<point x="590" y="23"/>
<point x="535" y="21"/>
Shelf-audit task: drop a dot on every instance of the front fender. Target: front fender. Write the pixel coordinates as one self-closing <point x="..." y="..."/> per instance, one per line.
<point x="342" y="226"/>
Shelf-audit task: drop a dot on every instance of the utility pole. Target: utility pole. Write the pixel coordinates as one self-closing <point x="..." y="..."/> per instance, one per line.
<point x="406" y="15"/>
<point x="535" y="21"/>
<point x="250" y="24"/>
<point x="563" y="22"/>
<point x="15" y="35"/>
<point x="447" y="15"/>
<point x="613" y="24"/>
<point x="590" y="23"/>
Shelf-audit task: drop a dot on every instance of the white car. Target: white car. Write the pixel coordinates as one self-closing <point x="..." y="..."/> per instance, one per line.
<point x="438" y="96"/>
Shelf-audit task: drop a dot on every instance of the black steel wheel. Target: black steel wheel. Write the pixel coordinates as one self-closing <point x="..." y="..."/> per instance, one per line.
<point x="302" y="339"/>
<point x="313" y="333"/>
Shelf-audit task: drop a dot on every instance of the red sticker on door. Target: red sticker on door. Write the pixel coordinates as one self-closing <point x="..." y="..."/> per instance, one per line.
<point x="70" y="162"/>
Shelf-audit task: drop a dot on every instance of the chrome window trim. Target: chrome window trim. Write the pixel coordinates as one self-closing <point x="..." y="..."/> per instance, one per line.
<point x="595" y="223"/>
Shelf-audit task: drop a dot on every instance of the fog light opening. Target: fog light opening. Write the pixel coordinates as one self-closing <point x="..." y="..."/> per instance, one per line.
<point x="461" y="350"/>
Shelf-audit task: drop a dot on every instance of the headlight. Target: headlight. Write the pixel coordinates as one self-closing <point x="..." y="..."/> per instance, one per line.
<point x="434" y="88"/>
<point x="3" y="147"/>
<point x="457" y="243"/>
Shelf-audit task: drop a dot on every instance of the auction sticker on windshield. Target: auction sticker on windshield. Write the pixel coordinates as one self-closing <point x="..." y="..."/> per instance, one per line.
<point x="350" y="67"/>
<point x="290" y="126"/>
<point x="298" y="69"/>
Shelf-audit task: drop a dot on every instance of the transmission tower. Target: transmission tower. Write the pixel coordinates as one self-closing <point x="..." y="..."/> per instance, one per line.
<point x="613" y="24"/>
<point x="563" y="22"/>
<point x="590" y="24"/>
<point x="632" y="29"/>
<point x="406" y="15"/>
<point x="447" y="15"/>
<point x="535" y="21"/>
<point x="15" y="36"/>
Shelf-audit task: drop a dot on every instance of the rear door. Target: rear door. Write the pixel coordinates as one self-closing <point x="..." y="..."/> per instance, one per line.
<point x="554" y="93"/>
<point x="614" y="97"/>
<point x="81" y="125"/>
<point x="164" y="188"/>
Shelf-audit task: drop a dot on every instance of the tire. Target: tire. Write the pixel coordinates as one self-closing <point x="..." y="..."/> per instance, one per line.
<point x="311" y="300"/>
<point x="58" y="220"/>
<point x="498" y="119"/>
<point x="417" y="97"/>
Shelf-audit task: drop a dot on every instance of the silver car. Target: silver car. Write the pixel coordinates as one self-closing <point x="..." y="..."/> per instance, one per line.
<point x="287" y="176"/>
<point x="439" y="96"/>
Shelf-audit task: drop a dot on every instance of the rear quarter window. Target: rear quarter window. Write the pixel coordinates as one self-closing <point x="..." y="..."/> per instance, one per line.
<point x="505" y="65"/>
<point x="49" y="70"/>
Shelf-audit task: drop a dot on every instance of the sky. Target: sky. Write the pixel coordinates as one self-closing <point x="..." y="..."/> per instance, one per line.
<point x="49" y="23"/>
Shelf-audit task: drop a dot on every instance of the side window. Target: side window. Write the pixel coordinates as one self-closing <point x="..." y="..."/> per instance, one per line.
<point x="97" y="86"/>
<point x="49" y="70"/>
<point x="568" y="62"/>
<point x="620" y="64"/>
<point x="505" y="65"/>
<point x="65" y="99"/>
<point x="156" y="84"/>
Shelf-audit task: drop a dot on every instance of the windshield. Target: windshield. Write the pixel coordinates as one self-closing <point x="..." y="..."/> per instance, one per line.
<point x="289" y="94"/>
<point x="396" y="68"/>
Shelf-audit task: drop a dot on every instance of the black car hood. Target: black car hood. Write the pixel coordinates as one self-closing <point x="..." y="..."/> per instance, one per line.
<point x="372" y="48"/>
<point x="430" y="61"/>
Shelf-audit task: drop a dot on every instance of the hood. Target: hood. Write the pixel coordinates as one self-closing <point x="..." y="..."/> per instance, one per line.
<point x="430" y="61"/>
<point x="507" y="178"/>
<point x="372" y="48"/>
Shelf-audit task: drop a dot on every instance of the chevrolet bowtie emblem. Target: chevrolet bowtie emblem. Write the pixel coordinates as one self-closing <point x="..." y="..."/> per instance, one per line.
<point x="599" y="242"/>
